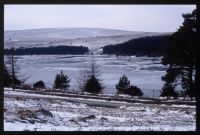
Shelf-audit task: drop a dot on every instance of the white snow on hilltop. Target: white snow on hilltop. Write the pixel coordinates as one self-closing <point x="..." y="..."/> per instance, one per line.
<point x="90" y="37"/>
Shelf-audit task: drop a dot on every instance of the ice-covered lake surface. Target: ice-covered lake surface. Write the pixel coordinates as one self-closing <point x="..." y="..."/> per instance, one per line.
<point x="144" y="72"/>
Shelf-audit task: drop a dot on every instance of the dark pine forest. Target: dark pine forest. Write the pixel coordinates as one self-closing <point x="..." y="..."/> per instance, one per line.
<point x="150" y="46"/>
<point x="48" y="50"/>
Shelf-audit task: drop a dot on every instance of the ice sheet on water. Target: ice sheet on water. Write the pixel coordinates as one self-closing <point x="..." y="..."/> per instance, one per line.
<point x="45" y="67"/>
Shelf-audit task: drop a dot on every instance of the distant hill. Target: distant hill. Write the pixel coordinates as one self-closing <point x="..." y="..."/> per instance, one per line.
<point x="89" y="37"/>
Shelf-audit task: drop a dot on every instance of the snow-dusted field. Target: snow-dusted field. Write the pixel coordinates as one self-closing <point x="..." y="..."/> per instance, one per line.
<point x="53" y="114"/>
<point x="144" y="72"/>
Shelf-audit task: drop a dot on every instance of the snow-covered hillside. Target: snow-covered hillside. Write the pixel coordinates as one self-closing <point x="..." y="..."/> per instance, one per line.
<point x="90" y="37"/>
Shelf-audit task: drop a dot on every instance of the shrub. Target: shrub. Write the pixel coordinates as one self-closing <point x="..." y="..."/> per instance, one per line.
<point x="40" y="84"/>
<point x="133" y="91"/>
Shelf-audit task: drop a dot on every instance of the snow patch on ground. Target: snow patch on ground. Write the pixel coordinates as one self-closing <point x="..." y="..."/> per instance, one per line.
<point x="74" y="116"/>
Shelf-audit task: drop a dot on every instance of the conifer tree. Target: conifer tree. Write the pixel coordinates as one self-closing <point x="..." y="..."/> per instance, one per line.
<point x="124" y="87"/>
<point x="61" y="82"/>
<point x="123" y="84"/>
<point x="82" y="78"/>
<point x="183" y="56"/>
<point x="93" y="83"/>
<point x="7" y="80"/>
<point x="13" y="68"/>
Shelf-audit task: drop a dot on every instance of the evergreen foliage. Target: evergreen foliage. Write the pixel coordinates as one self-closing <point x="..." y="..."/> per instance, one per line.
<point x="93" y="85"/>
<point x="149" y="46"/>
<point x="123" y="84"/>
<point x="49" y="50"/>
<point x="168" y="91"/>
<point x="134" y="91"/>
<point x="94" y="69"/>
<point x="7" y="78"/>
<point x="182" y="56"/>
<point x="124" y="87"/>
<point x="14" y="68"/>
<point x="40" y="84"/>
<point x="172" y="79"/>
<point x="61" y="82"/>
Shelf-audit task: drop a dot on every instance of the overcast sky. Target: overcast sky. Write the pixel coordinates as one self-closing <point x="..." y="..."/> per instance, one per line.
<point x="149" y="18"/>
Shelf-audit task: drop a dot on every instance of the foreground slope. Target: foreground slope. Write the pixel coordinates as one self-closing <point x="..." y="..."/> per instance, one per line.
<point x="54" y="114"/>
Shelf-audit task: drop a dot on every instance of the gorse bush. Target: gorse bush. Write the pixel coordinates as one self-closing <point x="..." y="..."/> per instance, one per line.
<point x="40" y="84"/>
